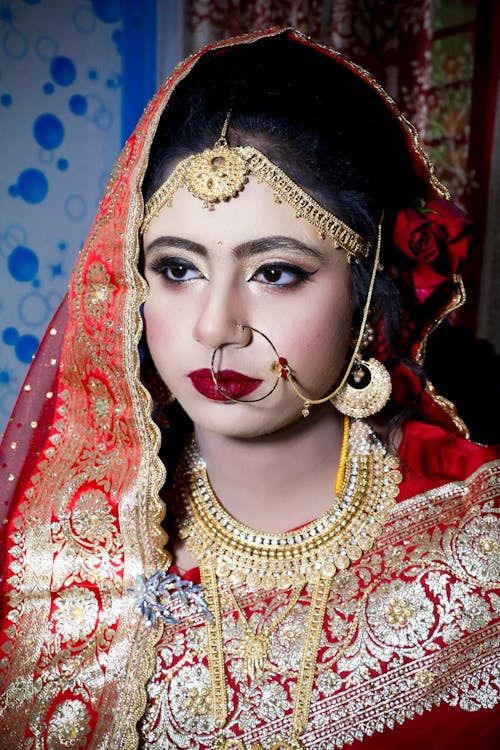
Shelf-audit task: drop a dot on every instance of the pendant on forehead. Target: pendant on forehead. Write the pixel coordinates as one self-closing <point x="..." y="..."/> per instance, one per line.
<point x="217" y="174"/>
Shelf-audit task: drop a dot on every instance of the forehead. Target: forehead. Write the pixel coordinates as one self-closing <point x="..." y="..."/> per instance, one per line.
<point x="252" y="214"/>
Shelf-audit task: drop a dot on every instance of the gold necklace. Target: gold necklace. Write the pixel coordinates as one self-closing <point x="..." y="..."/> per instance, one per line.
<point x="231" y="553"/>
<point x="330" y="543"/>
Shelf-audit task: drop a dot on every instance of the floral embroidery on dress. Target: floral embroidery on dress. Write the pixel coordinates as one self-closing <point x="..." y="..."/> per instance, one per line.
<point x="69" y="726"/>
<point x="76" y="612"/>
<point x="406" y="627"/>
<point x="91" y="518"/>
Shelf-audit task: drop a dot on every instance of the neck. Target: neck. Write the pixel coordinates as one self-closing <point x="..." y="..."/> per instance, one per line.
<point x="280" y="481"/>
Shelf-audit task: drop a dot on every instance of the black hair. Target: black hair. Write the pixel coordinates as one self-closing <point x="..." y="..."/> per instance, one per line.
<point x="325" y="126"/>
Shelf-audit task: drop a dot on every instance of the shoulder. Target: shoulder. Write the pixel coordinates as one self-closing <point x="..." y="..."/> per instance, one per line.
<point x="431" y="457"/>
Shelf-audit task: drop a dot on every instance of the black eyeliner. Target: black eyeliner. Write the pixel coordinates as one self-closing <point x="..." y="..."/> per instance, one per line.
<point x="302" y="276"/>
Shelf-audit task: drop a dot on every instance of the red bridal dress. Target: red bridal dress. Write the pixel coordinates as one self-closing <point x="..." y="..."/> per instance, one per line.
<point x="408" y="655"/>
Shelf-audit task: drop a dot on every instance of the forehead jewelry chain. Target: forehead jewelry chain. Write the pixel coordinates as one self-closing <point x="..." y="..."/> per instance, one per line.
<point x="221" y="172"/>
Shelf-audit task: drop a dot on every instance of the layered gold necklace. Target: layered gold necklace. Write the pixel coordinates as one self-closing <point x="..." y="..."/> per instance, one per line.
<point x="231" y="554"/>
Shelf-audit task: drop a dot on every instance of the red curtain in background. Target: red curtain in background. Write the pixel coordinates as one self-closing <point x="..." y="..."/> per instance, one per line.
<point x="437" y="58"/>
<point x="391" y="39"/>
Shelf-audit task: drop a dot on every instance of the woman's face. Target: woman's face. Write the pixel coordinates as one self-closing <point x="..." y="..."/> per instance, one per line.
<point x="249" y="261"/>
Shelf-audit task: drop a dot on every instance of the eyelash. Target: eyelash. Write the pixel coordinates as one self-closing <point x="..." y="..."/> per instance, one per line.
<point x="165" y="265"/>
<point x="300" y="274"/>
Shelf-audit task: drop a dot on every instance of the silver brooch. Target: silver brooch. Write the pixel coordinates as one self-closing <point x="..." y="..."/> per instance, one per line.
<point x="156" y="595"/>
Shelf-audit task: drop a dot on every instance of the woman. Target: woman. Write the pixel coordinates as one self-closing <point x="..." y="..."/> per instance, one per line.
<point x="296" y="248"/>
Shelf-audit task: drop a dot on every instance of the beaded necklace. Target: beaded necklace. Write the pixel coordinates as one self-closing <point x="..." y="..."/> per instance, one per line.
<point x="231" y="554"/>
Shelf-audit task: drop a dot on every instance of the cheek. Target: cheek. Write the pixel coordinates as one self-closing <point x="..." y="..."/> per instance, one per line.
<point x="152" y="321"/>
<point x="159" y="328"/>
<point x="322" y="339"/>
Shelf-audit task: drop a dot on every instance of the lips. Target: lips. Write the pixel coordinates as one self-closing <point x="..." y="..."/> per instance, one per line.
<point x="234" y="383"/>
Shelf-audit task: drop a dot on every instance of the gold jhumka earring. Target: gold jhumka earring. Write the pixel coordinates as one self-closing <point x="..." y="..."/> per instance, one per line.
<point x="366" y="391"/>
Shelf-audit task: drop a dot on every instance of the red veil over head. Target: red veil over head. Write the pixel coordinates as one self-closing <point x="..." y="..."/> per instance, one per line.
<point x="80" y="454"/>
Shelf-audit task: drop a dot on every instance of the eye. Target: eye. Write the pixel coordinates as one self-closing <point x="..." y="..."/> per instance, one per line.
<point x="176" y="269"/>
<point x="281" y="274"/>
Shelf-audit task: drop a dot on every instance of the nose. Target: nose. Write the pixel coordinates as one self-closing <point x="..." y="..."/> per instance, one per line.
<point x="221" y="320"/>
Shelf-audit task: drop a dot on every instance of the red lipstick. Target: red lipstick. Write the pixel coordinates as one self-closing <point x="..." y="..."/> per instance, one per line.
<point x="234" y="383"/>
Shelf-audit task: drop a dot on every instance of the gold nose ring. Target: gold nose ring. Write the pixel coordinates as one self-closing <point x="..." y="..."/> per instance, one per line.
<point x="277" y="368"/>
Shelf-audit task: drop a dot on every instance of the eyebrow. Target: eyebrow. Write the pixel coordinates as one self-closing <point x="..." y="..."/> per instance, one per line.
<point x="244" y="250"/>
<point x="179" y="242"/>
<point x="275" y="242"/>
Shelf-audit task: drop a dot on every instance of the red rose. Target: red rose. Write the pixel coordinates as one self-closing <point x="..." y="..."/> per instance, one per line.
<point x="437" y="238"/>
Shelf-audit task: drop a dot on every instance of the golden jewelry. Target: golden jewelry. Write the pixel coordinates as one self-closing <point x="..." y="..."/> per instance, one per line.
<point x="349" y="527"/>
<point x="305" y="680"/>
<point x="359" y="400"/>
<point x="276" y="369"/>
<point x="368" y="387"/>
<point x="368" y="336"/>
<point x="221" y="172"/>
<point x="231" y="553"/>
<point x="339" y="481"/>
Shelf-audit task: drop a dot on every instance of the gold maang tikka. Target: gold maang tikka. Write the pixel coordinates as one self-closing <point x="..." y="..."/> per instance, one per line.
<point x="221" y="172"/>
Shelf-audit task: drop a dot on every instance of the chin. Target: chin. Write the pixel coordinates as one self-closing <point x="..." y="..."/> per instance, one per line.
<point x="243" y="422"/>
